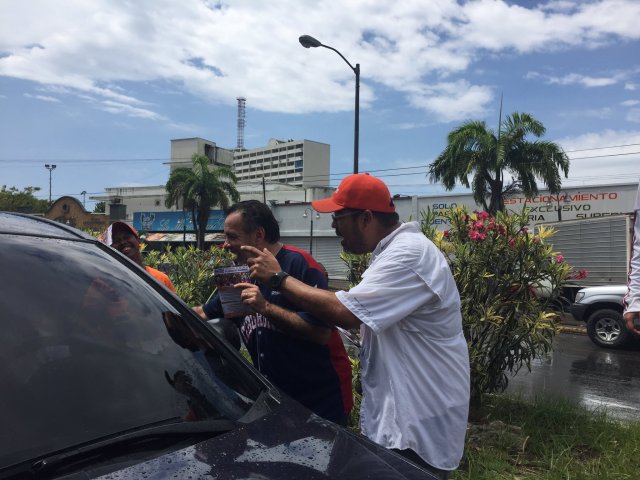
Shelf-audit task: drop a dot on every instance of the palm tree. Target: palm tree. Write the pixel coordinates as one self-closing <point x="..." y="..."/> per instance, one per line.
<point x="199" y="189"/>
<point x="475" y="150"/>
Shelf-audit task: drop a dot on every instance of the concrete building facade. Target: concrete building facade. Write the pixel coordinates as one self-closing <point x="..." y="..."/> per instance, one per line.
<point x="301" y="163"/>
<point x="182" y="149"/>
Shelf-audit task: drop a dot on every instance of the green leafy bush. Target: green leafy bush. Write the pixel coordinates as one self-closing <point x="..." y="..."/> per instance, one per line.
<point x="190" y="269"/>
<point x="509" y="282"/>
<point x="357" y="264"/>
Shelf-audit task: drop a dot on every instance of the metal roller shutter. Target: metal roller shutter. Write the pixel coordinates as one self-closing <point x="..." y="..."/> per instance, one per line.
<point x="326" y="250"/>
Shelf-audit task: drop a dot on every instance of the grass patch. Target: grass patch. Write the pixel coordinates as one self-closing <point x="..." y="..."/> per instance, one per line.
<point x="548" y="438"/>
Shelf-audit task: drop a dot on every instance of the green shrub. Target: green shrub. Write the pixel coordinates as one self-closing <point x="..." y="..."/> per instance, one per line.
<point x="190" y="269"/>
<point x="509" y="281"/>
<point x="356" y="264"/>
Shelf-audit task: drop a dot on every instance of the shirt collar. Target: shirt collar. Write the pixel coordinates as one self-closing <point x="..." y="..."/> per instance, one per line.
<point x="384" y="243"/>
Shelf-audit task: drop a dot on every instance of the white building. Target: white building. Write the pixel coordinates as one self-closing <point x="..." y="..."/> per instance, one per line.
<point x="302" y="163"/>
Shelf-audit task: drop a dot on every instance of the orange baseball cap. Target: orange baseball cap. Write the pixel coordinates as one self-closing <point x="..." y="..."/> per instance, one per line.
<point x="107" y="236"/>
<point x="359" y="191"/>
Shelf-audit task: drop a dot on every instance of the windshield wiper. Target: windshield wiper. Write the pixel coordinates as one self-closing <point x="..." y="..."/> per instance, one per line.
<point x="123" y="443"/>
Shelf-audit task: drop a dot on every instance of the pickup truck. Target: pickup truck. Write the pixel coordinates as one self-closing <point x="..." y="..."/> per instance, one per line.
<point x="601" y="309"/>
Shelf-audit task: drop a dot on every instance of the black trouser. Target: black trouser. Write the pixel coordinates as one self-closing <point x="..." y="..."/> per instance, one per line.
<point x="417" y="459"/>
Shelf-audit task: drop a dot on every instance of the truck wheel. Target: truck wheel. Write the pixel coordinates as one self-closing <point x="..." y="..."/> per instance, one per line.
<point x="606" y="328"/>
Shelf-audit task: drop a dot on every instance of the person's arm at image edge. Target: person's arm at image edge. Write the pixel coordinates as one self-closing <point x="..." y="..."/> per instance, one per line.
<point x="632" y="298"/>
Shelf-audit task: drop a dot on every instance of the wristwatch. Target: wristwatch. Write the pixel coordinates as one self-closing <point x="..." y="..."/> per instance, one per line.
<point x="276" y="280"/>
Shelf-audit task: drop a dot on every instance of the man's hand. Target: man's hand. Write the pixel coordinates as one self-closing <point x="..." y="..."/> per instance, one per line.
<point x="262" y="264"/>
<point x="633" y="322"/>
<point x="252" y="297"/>
<point x="200" y="311"/>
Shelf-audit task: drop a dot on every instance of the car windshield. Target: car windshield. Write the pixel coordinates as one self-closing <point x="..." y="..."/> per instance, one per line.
<point x="89" y="350"/>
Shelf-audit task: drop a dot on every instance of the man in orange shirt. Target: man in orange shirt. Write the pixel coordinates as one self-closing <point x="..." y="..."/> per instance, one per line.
<point x="124" y="238"/>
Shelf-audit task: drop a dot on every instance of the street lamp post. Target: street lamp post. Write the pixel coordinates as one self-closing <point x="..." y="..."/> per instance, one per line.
<point x="564" y="196"/>
<point x="84" y="197"/>
<point x="50" y="168"/>
<point x="310" y="214"/>
<point x="565" y="199"/>
<point x="308" y="41"/>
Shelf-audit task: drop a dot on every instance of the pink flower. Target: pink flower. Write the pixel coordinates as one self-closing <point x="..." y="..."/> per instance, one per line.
<point x="483" y="215"/>
<point x="580" y="274"/>
<point x="446" y="234"/>
<point x="478" y="225"/>
<point x="475" y="235"/>
<point x="559" y="259"/>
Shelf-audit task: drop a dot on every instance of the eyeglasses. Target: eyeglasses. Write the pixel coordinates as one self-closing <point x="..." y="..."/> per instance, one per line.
<point x="338" y="217"/>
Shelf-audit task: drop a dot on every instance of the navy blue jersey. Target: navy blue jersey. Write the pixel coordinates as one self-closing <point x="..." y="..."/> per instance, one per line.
<point x="318" y="376"/>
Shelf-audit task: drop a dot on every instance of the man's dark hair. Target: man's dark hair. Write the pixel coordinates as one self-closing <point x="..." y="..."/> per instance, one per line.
<point x="387" y="220"/>
<point x="256" y="214"/>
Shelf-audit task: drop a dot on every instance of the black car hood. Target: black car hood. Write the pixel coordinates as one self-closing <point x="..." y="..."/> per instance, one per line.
<point x="289" y="443"/>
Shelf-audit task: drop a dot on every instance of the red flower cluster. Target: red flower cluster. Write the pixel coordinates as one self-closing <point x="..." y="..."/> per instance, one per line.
<point x="484" y="225"/>
<point x="580" y="274"/>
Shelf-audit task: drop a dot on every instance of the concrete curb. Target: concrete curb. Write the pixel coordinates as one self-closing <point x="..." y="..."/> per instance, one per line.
<point x="573" y="329"/>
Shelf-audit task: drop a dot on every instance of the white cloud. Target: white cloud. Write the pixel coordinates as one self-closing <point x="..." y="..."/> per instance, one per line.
<point x="615" y="139"/>
<point x="218" y="51"/>
<point x="44" y="98"/>
<point x="609" y="156"/>
<point x="408" y="126"/>
<point x="633" y="115"/>
<point x="602" y="113"/>
<point x="630" y="103"/>
<point x="578" y="79"/>
<point x="129" y="110"/>
<point x="453" y="101"/>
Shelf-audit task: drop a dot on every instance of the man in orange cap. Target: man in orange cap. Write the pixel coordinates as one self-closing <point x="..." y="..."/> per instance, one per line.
<point x="414" y="358"/>
<point x="124" y="238"/>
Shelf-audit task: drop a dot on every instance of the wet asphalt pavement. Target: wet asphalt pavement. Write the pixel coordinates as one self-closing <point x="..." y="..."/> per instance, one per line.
<point x="596" y="377"/>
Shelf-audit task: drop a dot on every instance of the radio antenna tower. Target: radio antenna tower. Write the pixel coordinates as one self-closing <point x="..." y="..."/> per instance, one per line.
<point x="241" y="122"/>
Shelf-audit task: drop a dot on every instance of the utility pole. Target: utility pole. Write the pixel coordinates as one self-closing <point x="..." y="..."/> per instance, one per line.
<point x="50" y="168"/>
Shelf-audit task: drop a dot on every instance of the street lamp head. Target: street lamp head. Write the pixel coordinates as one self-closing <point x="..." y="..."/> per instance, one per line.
<point x="307" y="41"/>
<point x="305" y="214"/>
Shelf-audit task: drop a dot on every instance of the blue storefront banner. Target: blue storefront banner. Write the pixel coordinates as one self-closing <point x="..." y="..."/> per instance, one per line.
<point x="174" y="221"/>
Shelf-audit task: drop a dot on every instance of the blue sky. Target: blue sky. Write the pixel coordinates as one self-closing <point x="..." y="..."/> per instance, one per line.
<point x="100" y="88"/>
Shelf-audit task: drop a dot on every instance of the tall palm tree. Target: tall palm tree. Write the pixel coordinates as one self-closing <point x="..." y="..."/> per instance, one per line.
<point x="474" y="150"/>
<point x="199" y="189"/>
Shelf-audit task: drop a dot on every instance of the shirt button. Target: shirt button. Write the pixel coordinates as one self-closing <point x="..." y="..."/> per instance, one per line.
<point x="259" y="332"/>
<point x="262" y="355"/>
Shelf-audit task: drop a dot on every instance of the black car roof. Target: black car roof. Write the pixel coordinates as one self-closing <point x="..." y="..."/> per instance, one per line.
<point x="22" y="224"/>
